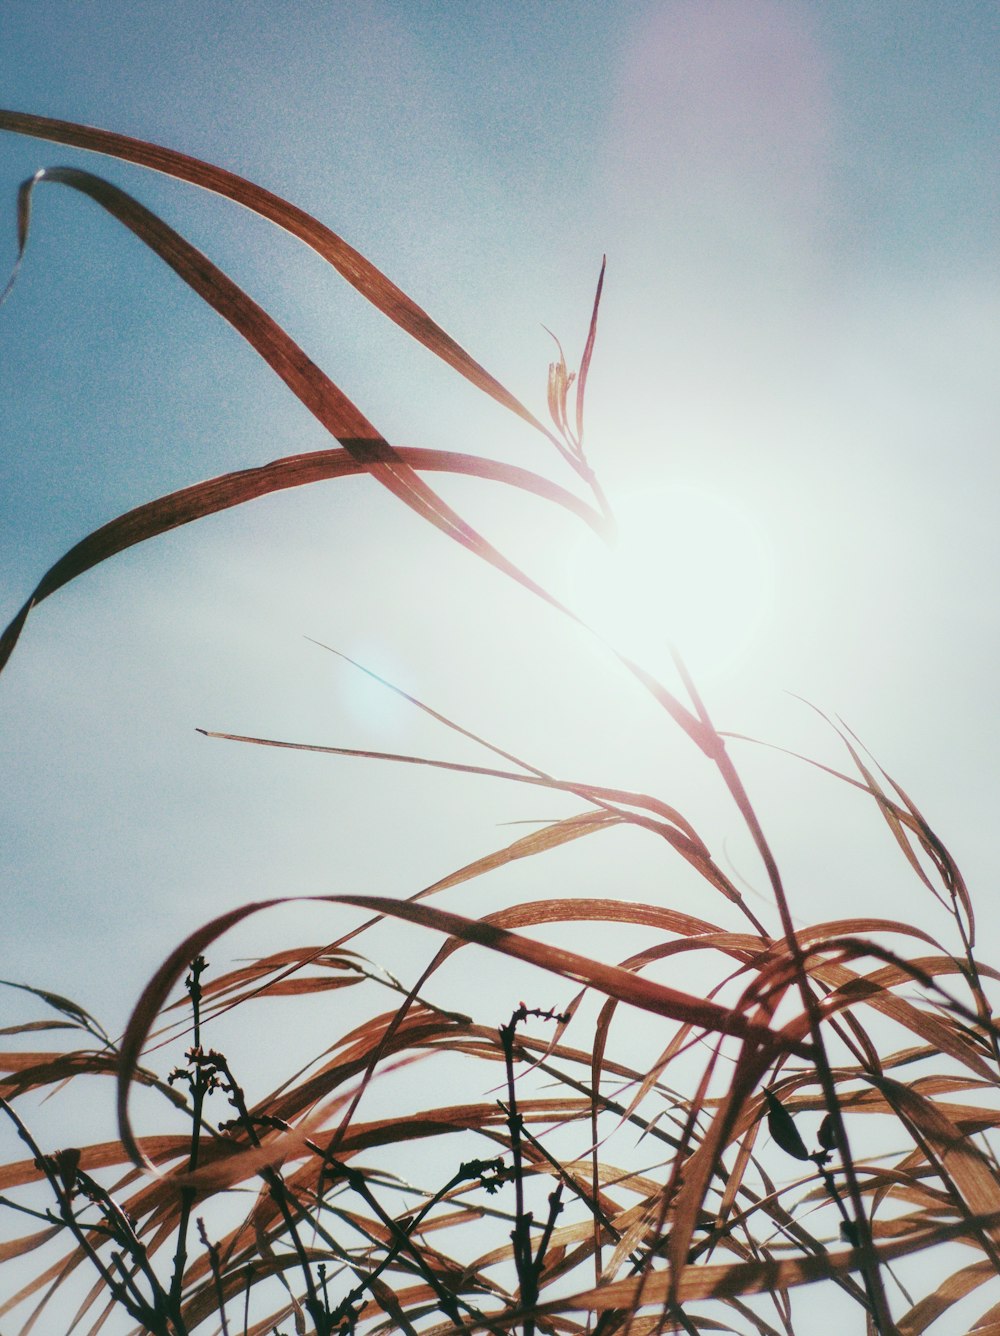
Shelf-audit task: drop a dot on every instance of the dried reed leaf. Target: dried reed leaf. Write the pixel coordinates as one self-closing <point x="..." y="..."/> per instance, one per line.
<point x="672" y="826"/>
<point x="702" y="1163"/>
<point x="12" y="1248"/>
<point x="953" y="1288"/>
<point x="988" y="1323"/>
<point x="552" y="836"/>
<point x="233" y="489"/>
<point x="64" y="1005"/>
<point x="738" y="1278"/>
<point x="937" y="1031"/>
<point x="373" y="285"/>
<point x="588" y="353"/>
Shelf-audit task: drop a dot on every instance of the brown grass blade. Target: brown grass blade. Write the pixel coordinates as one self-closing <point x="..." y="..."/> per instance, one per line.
<point x="348" y="262"/>
<point x="540" y="841"/>
<point x="817" y="933"/>
<point x="939" y="856"/>
<point x="701" y="1165"/>
<point x="233" y="489"/>
<point x="743" y="1278"/>
<point x="941" y="1034"/>
<point x="588" y="353"/>
<point x="28" y="1243"/>
<point x="988" y="1323"/>
<point x="673" y="826"/>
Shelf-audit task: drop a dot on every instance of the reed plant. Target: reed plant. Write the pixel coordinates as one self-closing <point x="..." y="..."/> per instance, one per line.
<point x="567" y="1186"/>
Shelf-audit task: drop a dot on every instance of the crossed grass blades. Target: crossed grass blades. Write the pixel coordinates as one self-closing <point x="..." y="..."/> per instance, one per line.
<point x="583" y="1194"/>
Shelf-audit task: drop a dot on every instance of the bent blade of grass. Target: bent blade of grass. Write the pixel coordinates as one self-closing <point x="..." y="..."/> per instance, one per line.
<point x="564" y="909"/>
<point x="552" y="836"/>
<point x="13" y="1248"/>
<point x="77" y="1016"/>
<point x="234" y="489"/>
<point x="906" y="816"/>
<point x="988" y="1323"/>
<point x="673" y="827"/>
<point x="699" y="1168"/>
<point x="900" y="819"/>
<point x="817" y="933"/>
<point x="940" y="1032"/>
<point x="373" y="285"/>
<point x="943" y="862"/>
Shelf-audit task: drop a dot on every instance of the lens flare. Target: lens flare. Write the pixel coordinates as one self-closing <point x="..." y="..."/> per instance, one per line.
<point x="690" y="569"/>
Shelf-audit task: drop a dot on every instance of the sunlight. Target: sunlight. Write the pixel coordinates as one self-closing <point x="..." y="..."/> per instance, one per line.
<point x="690" y="569"/>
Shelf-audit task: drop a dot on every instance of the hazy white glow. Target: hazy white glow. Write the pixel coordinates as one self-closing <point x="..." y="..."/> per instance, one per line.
<point x="690" y="569"/>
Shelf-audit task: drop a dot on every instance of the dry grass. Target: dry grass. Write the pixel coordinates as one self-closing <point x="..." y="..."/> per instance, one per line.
<point x="583" y="1191"/>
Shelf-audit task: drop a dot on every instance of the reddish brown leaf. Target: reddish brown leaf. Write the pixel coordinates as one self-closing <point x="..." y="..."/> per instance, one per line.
<point x="349" y="263"/>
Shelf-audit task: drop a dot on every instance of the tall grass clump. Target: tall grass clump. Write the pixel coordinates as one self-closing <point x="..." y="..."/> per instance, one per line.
<point x="822" y="1111"/>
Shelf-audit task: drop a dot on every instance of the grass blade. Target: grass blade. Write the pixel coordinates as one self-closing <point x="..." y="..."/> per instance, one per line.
<point x="233" y="489"/>
<point x="348" y="262"/>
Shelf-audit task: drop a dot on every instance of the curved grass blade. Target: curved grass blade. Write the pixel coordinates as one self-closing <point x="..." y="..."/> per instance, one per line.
<point x="348" y="262"/>
<point x="326" y="401"/>
<point x="233" y="489"/>
<point x="78" y="1016"/>
<point x="674" y="827"/>
<point x="950" y="1291"/>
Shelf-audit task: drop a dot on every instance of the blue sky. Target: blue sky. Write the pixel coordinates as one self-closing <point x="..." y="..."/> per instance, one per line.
<point x="798" y="203"/>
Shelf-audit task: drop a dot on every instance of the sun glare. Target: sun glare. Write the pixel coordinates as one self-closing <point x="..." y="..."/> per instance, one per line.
<point x="690" y="569"/>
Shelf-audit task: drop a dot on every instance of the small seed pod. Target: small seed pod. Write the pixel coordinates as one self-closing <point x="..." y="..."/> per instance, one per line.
<point x="826" y="1136"/>
<point x="783" y="1129"/>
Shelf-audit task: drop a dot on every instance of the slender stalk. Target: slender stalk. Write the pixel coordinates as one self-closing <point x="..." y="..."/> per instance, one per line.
<point x="199" y="1081"/>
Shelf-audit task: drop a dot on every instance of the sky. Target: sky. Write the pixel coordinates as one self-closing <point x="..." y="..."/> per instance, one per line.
<point x="793" y="399"/>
